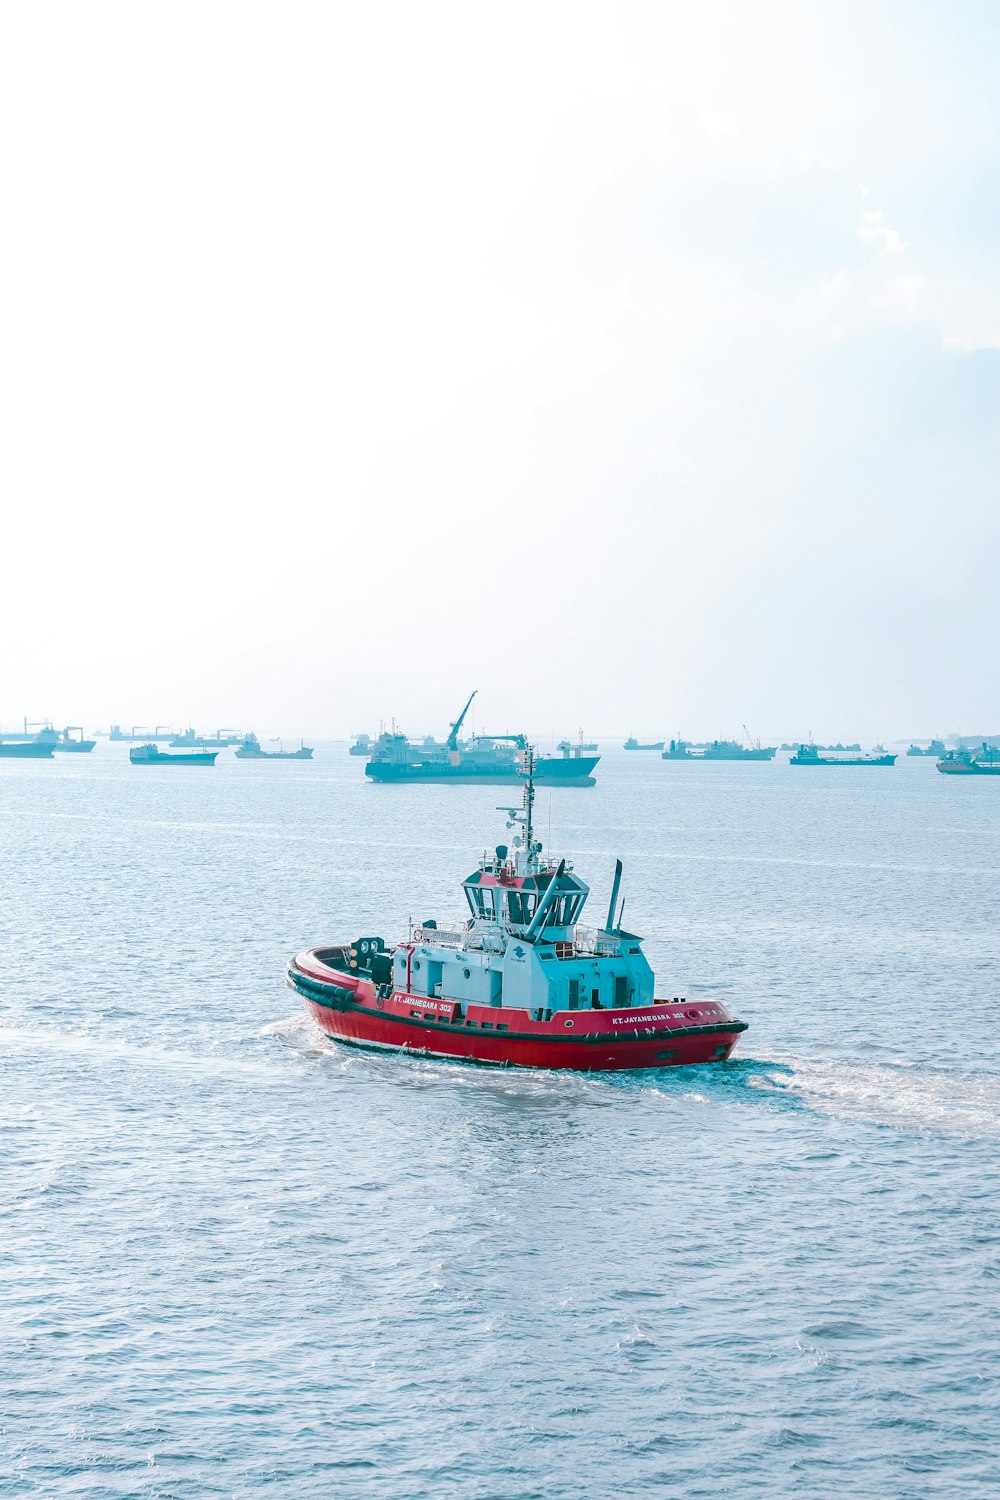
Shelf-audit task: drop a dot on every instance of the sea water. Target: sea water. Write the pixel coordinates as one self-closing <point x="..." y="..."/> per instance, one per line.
<point x="238" y="1259"/>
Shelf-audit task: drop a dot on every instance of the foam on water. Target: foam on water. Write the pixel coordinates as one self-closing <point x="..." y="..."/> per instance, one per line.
<point x="909" y="1096"/>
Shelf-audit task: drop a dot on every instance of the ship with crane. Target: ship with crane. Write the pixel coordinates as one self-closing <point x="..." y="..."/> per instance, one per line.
<point x="496" y="759"/>
<point x="518" y="984"/>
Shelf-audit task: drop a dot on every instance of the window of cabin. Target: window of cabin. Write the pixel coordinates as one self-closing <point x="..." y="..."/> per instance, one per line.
<point x="485" y="895"/>
<point x="521" y="905"/>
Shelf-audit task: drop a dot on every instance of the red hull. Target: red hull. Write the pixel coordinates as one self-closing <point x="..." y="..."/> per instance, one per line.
<point x="667" y="1034"/>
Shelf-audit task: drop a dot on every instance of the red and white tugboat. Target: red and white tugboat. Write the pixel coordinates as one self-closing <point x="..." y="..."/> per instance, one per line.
<point x="519" y="984"/>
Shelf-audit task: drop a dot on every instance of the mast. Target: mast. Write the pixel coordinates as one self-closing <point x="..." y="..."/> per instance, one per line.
<point x="529" y="796"/>
<point x="526" y="858"/>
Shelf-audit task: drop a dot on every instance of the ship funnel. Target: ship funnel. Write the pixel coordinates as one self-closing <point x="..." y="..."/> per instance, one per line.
<point x="614" y="896"/>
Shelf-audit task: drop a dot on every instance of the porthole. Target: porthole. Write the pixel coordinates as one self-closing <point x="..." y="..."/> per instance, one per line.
<point x="467" y="973"/>
<point x="402" y="963"/>
<point x="567" y="1023"/>
<point x="416" y="965"/>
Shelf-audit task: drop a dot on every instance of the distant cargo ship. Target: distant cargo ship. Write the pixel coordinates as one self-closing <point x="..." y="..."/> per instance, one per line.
<point x="24" y="750"/>
<point x="808" y="755"/>
<point x="633" y="744"/>
<point x="489" y="758"/>
<point x="189" y="740"/>
<point x="363" y="745"/>
<point x="567" y="747"/>
<point x="138" y="734"/>
<point x="152" y="755"/>
<point x="250" y="750"/>
<point x="58" y="739"/>
<point x="838" y="747"/>
<point x="936" y="747"/>
<point x="985" y="762"/>
<point x="62" y="740"/>
<point x="718" y="750"/>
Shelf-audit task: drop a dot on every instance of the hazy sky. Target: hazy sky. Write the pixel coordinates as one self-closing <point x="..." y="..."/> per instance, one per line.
<point x="638" y="365"/>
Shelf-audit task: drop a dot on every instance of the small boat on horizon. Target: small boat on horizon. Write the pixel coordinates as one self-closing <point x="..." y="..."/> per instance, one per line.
<point x="520" y="984"/>
<point x="152" y="755"/>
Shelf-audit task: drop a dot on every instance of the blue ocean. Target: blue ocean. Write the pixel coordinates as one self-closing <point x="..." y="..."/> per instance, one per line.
<point x="238" y="1259"/>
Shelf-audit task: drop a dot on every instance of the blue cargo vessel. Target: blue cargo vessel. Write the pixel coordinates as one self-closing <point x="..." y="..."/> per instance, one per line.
<point x="489" y="758"/>
<point x="152" y="755"/>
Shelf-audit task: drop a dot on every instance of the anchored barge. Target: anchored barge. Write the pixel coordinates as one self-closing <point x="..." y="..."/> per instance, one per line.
<point x="519" y="984"/>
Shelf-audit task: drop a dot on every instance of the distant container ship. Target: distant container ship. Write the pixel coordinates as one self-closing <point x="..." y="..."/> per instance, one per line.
<point x="718" y="750"/>
<point x="808" y="755"/>
<point x="492" y="759"/>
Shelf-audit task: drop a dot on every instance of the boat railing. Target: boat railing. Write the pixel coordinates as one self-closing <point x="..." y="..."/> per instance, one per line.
<point x="591" y="941"/>
<point x="452" y="936"/>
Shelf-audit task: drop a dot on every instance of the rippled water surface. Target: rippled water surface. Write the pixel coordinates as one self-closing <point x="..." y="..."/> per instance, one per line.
<point x="237" y="1259"/>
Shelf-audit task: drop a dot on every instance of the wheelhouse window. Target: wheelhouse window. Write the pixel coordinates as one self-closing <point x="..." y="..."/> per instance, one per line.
<point x="481" y="901"/>
<point x="521" y="906"/>
<point x="564" y="911"/>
